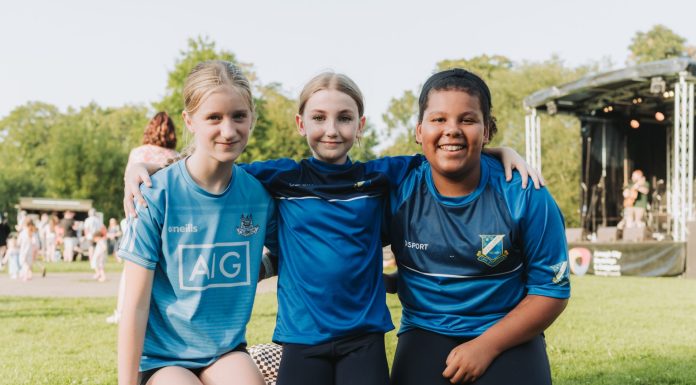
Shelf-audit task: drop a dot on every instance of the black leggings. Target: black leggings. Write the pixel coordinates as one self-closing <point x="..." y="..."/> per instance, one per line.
<point x="420" y="359"/>
<point x="346" y="361"/>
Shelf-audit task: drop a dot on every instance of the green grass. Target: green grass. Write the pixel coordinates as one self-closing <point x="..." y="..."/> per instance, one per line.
<point x="111" y="266"/>
<point x="615" y="331"/>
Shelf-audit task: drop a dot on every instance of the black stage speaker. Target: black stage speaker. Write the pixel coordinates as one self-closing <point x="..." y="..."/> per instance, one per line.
<point x="573" y="234"/>
<point x="606" y="234"/>
<point x="634" y="234"/>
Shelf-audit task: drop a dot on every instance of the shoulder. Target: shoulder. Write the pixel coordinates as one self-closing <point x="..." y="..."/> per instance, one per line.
<point x="167" y="181"/>
<point x="404" y="162"/>
<point x="246" y="180"/>
<point x="272" y="166"/>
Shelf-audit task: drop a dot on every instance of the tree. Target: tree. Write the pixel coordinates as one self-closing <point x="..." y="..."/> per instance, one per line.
<point x="658" y="43"/>
<point x="24" y="147"/>
<point x="275" y="134"/>
<point x="89" y="154"/>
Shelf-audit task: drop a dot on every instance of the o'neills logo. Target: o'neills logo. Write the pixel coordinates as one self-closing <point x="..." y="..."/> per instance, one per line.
<point x="187" y="228"/>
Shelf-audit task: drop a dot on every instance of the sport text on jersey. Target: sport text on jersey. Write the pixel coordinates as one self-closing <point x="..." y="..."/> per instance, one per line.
<point x="206" y="266"/>
<point x="415" y="245"/>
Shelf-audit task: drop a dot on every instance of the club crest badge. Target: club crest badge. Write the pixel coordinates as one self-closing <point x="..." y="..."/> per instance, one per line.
<point x="492" y="251"/>
<point x="560" y="271"/>
<point x="246" y="227"/>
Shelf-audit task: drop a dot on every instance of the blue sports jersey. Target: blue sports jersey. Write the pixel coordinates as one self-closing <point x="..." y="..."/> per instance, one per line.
<point x="330" y="261"/>
<point x="205" y="250"/>
<point x="465" y="262"/>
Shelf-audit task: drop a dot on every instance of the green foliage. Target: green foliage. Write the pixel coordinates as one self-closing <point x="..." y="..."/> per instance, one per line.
<point x="77" y="154"/>
<point x="658" y="43"/>
<point x="275" y="134"/>
<point x="615" y="331"/>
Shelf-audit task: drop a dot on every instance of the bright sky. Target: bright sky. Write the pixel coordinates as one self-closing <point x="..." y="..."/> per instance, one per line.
<point x="71" y="52"/>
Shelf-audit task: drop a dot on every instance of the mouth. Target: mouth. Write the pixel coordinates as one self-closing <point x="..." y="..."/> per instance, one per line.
<point x="451" y="147"/>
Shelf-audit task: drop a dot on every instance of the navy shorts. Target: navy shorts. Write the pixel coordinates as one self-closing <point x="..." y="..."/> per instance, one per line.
<point x="357" y="359"/>
<point x="146" y="375"/>
<point x="420" y="359"/>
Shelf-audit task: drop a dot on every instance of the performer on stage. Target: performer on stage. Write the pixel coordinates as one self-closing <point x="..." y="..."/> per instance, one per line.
<point x="635" y="200"/>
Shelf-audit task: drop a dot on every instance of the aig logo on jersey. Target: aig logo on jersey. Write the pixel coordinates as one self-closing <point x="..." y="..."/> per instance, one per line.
<point x="214" y="265"/>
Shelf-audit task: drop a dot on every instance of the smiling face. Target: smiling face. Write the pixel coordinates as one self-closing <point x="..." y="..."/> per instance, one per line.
<point x="331" y="122"/>
<point x="221" y="125"/>
<point x="452" y="134"/>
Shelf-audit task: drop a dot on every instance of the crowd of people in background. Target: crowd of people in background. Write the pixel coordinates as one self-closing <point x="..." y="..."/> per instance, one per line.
<point x="48" y="238"/>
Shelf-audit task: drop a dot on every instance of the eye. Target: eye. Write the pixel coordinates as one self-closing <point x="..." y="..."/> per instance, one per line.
<point x="318" y="118"/>
<point x="345" y="118"/>
<point x="438" y="119"/>
<point x="214" y="117"/>
<point x="239" y="116"/>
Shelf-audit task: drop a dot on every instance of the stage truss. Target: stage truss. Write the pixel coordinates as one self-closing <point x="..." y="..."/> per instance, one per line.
<point x="680" y="152"/>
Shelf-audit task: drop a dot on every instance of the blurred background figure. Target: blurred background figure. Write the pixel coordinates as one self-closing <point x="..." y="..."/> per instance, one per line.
<point x="159" y="143"/>
<point x="113" y="236"/>
<point x="28" y="248"/>
<point x="67" y="234"/>
<point x="4" y="234"/>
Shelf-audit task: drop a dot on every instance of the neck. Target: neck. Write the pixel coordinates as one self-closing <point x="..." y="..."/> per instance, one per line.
<point x="211" y="175"/>
<point x="457" y="186"/>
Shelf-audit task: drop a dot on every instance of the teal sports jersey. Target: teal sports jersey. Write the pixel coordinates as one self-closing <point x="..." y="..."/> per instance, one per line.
<point x="205" y="250"/>
<point x="330" y="220"/>
<point x="466" y="262"/>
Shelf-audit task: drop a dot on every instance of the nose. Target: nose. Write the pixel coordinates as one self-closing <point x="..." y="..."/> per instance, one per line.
<point x="331" y="130"/>
<point x="452" y="129"/>
<point x="228" y="130"/>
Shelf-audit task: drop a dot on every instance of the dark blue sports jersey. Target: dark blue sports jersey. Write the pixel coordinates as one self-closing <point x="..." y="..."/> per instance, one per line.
<point x="465" y="262"/>
<point x="330" y="263"/>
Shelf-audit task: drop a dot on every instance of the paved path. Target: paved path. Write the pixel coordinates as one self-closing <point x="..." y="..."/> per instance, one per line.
<point x="78" y="285"/>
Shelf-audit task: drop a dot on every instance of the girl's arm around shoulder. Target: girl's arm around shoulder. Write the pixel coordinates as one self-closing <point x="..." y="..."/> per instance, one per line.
<point x="133" y="322"/>
<point x="267" y="171"/>
<point x="395" y="168"/>
<point x="511" y="160"/>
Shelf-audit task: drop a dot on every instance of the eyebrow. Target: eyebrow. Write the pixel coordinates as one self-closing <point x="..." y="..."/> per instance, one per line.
<point x="347" y="110"/>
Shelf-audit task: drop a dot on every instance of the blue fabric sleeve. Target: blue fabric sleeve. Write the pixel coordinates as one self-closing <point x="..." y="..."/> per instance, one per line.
<point x="395" y="168"/>
<point x="544" y="245"/>
<point x="267" y="171"/>
<point x="142" y="240"/>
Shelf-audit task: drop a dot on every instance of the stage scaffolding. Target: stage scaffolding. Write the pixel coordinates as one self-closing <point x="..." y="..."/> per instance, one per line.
<point x="589" y="94"/>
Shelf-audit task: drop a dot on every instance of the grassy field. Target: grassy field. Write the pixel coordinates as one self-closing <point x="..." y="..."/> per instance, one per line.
<point x="616" y="331"/>
<point x="111" y="266"/>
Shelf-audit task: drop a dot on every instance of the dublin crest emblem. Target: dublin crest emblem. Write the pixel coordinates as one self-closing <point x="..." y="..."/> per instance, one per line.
<point x="492" y="252"/>
<point x="246" y="228"/>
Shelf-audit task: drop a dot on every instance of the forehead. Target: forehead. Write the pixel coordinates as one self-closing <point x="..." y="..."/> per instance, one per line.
<point x="452" y="99"/>
<point x="226" y="98"/>
<point x="331" y="100"/>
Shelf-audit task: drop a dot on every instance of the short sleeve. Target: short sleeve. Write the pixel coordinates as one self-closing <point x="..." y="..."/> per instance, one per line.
<point x="544" y="246"/>
<point x="142" y="240"/>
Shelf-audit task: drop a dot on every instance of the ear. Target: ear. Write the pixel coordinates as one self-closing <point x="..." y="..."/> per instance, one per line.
<point x="419" y="133"/>
<point x="300" y="125"/>
<point x="187" y="121"/>
<point x="361" y="127"/>
<point x="486" y="136"/>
